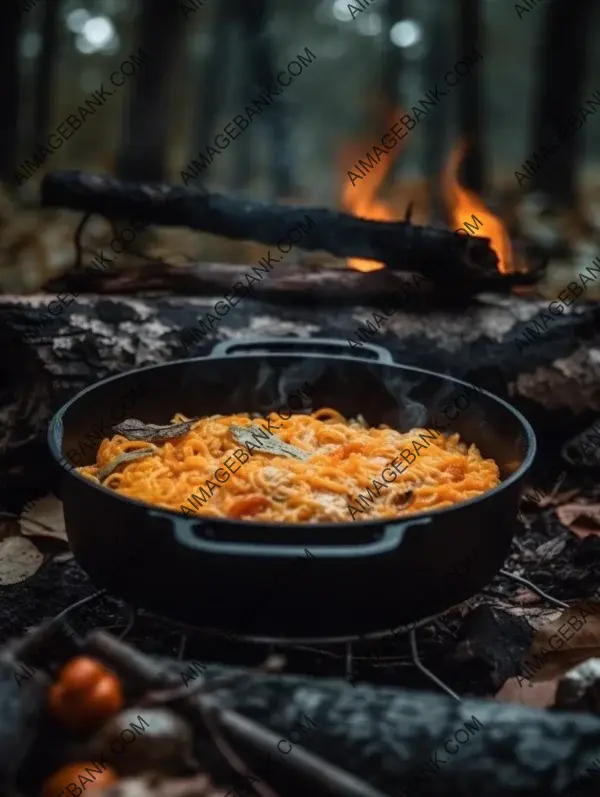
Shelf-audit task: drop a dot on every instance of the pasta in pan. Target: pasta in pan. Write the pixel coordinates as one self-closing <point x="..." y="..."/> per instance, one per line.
<point x="310" y="468"/>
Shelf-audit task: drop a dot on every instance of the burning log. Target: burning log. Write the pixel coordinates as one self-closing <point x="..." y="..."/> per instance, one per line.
<point x="440" y="255"/>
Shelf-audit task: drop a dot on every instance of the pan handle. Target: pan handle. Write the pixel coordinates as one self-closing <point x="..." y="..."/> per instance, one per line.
<point x="389" y="542"/>
<point x="277" y="345"/>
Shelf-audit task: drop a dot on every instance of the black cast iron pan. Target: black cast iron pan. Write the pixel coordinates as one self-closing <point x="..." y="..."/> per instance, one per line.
<point x="256" y="578"/>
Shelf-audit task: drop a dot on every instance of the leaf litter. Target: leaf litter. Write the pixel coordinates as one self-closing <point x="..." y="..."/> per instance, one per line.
<point x="20" y="557"/>
<point x="19" y="560"/>
<point x="582" y="643"/>
<point x="582" y="519"/>
<point x="44" y="519"/>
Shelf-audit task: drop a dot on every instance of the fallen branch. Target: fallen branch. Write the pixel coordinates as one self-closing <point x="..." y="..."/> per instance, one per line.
<point x="438" y="254"/>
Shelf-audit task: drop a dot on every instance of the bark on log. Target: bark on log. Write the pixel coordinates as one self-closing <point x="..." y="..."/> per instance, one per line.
<point x="438" y="254"/>
<point x="95" y="337"/>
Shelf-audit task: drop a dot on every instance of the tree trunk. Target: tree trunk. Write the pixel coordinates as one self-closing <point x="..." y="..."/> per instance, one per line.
<point x="470" y="96"/>
<point x="437" y="125"/>
<point x="264" y="64"/>
<point x="44" y="74"/>
<point x="143" y="149"/>
<point x="10" y="28"/>
<point x="562" y="72"/>
<point x="209" y="102"/>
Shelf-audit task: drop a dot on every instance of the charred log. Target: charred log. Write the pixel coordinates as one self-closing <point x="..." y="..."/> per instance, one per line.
<point x="310" y="284"/>
<point x="396" y="740"/>
<point x="438" y="254"/>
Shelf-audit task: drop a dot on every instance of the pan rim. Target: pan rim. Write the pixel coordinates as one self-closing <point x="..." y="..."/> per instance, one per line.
<point x="55" y="429"/>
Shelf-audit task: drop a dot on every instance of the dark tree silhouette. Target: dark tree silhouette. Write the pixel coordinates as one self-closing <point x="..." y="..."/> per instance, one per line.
<point x="470" y="95"/>
<point x="44" y="74"/>
<point x="561" y="74"/>
<point x="10" y="26"/>
<point x="439" y="20"/>
<point x="394" y="63"/>
<point x="262" y="59"/>
<point x="142" y="153"/>
<point x="209" y="102"/>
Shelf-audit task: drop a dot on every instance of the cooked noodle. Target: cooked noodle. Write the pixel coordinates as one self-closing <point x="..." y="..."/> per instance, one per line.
<point x="341" y="480"/>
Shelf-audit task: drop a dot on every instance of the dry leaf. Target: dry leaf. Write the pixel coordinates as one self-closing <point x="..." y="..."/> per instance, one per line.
<point x="549" y="550"/>
<point x="537" y="616"/>
<point x="19" y="560"/>
<point x="563" y="643"/>
<point x="133" y="429"/>
<point x="244" y="434"/>
<point x="537" y="695"/>
<point x="525" y="597"/>
<point x="44" y="519"/>
<point x="127" y="456"/>
<point x="581" y="519"/>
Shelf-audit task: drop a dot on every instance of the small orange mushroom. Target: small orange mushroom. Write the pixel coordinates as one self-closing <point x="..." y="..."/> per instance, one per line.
<point x="85" y="694"/>
<point x="80" y="772"/>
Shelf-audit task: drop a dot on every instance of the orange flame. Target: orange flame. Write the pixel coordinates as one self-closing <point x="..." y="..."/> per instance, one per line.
<point x="361" y="199"/>
<point x="464" y="204"/>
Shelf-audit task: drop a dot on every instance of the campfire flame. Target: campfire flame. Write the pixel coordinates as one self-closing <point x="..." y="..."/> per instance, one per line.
<point x="466" y="210"/>
<point x="464" y="204"/>
<point x="361" y="199"/>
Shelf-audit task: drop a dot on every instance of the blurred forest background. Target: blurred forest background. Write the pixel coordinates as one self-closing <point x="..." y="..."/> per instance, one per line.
<point x="205" y="64"/>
